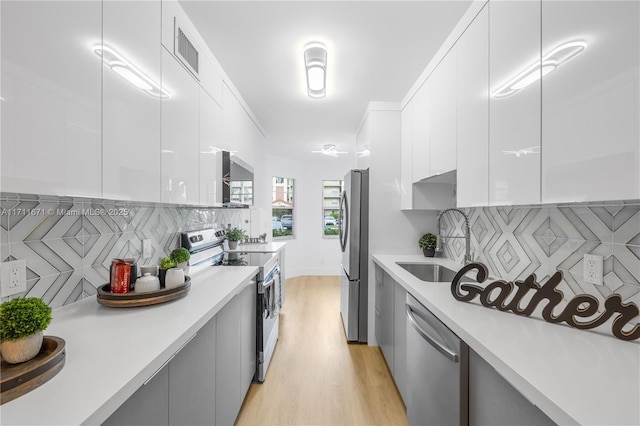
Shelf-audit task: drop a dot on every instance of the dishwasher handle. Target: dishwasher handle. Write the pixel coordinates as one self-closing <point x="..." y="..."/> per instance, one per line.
<point x="451" y="355"/>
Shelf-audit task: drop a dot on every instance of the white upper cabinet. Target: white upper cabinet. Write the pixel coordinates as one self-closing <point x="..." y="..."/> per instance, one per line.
<point x="473" y="113"/>
<point x="210" y="154"/>
<point x="442" y="122"/>
<point x="51" y="90"/>
<point x="180" y="133"/>
<point x="131" y="115"/>
<point x="514" y="115"/>
<point x="406" y="157"/>
<point x="421" y="131"/>
<point x="590" y="103"/>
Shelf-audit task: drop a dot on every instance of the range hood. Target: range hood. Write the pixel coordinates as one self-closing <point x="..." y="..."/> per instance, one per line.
<point x="237" y="181"/>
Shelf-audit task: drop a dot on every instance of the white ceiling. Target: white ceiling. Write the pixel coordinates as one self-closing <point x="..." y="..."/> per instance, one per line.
<point x="376" y="51"/>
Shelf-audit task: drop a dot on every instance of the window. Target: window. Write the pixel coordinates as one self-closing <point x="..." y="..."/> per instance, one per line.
<point x="331" y="193"/>
<point x="282" y="207"/>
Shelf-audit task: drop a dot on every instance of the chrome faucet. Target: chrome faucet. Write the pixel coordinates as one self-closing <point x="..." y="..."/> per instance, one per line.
<point x="467" y="237"/>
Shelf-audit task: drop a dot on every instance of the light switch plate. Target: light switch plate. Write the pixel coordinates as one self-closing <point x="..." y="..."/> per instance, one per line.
<point x="592" y="266"/>
<point x="13" y="277"/>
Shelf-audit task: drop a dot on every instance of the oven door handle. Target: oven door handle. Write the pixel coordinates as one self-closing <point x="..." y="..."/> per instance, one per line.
<point x="263" y="286"/>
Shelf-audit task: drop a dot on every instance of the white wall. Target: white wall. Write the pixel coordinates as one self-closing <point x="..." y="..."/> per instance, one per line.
<point x="391" y="230"/>
<point x="309" y="252"/>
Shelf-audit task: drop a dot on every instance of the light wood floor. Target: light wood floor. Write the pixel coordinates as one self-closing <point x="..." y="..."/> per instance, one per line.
<point x="315" y="377"/>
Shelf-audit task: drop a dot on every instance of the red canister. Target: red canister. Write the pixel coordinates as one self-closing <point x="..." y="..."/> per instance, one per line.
<point x="120" y="276"/>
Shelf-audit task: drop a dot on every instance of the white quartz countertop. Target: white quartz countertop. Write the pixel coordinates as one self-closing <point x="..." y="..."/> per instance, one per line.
<point x="573" y="376"/>
<point x="272" y="247"/>
<point x="111" y="352"/>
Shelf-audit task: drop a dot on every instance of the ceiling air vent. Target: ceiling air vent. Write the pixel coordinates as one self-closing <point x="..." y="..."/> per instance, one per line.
<point x="185" y="51"/>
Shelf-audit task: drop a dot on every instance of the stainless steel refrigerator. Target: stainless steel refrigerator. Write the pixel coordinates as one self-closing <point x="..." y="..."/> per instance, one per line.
<point x="354" y="242"/>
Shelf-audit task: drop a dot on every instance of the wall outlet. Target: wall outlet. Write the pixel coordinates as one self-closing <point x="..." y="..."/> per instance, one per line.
<point x="592" y="266"/>
<point x="146" y="249"/>
<point x="13" y="277"/>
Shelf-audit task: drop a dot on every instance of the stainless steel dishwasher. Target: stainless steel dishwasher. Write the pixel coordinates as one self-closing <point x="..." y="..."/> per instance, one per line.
<point x="437" y="370"/>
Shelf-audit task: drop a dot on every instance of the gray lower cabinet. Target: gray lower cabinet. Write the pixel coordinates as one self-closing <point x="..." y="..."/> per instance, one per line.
<point x="386" y="308"/>
<point x="147" y="406"/>
<point x="192" y="379"/>
<point x="235" y="353"/>
<point x="494" y="401"/>
<point x="400" y="340"/>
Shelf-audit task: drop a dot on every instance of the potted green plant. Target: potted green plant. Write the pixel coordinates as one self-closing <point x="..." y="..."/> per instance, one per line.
<point x="22" y="322"/>
<point x="180" y="257"/>
<point x="165" y="264"/>
<point x="428" y="244"/>
<point x="234" y="236"/>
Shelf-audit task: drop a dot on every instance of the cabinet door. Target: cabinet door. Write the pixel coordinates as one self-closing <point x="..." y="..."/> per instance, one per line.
<point x="131" y="116"/>
<point x="473" y="113"/>
<point x="591" y="103"/>
<point x="147" y="406"/>
<point x="514" y="120"/>
<point x="228" y="349"/>
<point x="442" y="104"/>
<point x="386" y="307"/>
<point x="210" y="154"/>
<point x="494" y="401"/>
<point x="421" y="121"/>
<point x="51" y="90"/>
<point x="248" y="336"/>
<point x="406" y="156"/>
<point x="192" y="380"/>
<point x="400" y="340"/>
<point x="180" y="133"/>
<point x="378" y="305"/>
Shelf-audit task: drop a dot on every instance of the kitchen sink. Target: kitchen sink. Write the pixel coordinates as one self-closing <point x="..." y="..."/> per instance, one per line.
<point x="429" y="272"/>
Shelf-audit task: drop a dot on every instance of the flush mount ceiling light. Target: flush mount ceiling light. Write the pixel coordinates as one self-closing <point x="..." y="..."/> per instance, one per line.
<point x="558" y="56"/>
<point x="129" y="72"/>
<point x="330" y="150"/>
<point x="315" y="64"/>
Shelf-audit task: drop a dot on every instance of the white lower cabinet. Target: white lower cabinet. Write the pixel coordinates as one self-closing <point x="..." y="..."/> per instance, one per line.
<point x="494" y="401"/>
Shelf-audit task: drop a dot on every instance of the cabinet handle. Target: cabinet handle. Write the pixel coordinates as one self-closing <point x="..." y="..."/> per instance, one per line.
<point x="169" y="360"/>
<point x="452" y="356"/>
<point x="378" y="313"/>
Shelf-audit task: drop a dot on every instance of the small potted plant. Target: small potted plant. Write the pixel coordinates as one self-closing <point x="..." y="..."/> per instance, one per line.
<point x="22" y="322"/>
<point x="165" y="264"/>
<point x="234" y="236"/>
<point x="180" y="257"/>
<point x="428" y="244"/>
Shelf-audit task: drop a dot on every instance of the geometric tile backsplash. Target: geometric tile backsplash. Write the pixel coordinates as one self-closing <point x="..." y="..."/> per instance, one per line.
<point x="68" y="243"/>
<point x="514" y="242"/>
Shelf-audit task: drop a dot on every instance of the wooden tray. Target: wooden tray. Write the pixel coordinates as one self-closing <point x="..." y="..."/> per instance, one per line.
<point x="131" y="300"/>
<point x="18" y="379"/>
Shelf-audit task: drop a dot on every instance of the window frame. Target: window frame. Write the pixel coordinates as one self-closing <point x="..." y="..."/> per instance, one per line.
<point x="335" y="206"/>
<point x="287" y="206"/>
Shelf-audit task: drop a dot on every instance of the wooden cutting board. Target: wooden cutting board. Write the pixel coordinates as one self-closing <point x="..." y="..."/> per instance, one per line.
<point x="18" y="379"/>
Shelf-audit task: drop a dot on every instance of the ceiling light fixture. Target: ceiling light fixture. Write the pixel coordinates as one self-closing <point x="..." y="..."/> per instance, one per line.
<point x="551" y="61"/>
<point x="330" y="150"/>
<point x="129" y="72"/>
<point x="315" y="64"/>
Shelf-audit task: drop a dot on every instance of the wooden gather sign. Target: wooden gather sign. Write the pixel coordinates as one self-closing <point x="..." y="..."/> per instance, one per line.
<point x="582" y="306"/>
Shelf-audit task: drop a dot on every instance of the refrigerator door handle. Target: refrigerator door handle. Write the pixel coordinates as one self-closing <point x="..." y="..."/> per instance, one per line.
<point x="343" y="227"/>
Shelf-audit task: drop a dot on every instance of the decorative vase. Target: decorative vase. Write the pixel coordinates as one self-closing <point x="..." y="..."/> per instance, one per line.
<point x="233" y="245"/>
<point x="162" y="273"/>
<point x="429" y="252"/>
<point x="184" y="266"/>
<point x="21" y="350"/>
